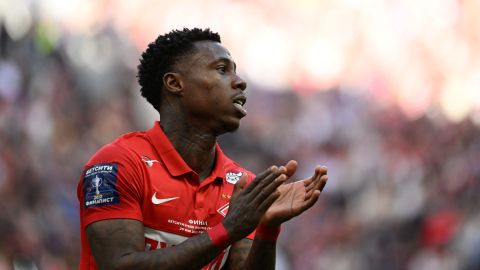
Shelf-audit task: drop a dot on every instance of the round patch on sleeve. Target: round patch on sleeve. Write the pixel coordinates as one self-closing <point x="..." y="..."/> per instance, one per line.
<point x="100" y="185"/>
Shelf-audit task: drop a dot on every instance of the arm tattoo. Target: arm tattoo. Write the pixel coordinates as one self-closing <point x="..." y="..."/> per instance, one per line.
<point x="248" y="254"/>
<point x="120" y="244"/>
<point x="238" y="254"/>
<point x="262" y="255"/>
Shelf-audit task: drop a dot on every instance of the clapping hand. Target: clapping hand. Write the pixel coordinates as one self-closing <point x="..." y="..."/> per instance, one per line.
<point x="295" y="197"/>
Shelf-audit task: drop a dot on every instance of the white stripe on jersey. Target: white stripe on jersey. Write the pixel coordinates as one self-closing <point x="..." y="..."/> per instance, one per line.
<point x="171" y="239"/>
<point x="165" y="237"/>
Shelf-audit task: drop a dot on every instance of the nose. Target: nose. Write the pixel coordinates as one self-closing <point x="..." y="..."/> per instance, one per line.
<point x="239" y="83"/>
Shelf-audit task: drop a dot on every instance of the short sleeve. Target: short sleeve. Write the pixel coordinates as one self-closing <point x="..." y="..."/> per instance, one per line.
<point x="110" y="186"/>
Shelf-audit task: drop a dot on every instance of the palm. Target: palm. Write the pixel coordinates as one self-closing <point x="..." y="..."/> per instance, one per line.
<point x="292" y="200"/>
<point x="295" y="197"/>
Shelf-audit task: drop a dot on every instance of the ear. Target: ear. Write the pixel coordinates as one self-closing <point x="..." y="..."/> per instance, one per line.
<point x="173" y="83"/>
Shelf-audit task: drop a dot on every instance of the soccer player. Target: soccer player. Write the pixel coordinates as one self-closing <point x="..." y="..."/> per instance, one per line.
<point x="169" y="198"/>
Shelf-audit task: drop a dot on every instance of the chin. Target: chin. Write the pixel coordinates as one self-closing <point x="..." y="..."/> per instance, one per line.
<point x="231" y="126"/>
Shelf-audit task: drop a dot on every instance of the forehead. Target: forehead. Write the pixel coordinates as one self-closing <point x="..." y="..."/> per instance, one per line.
<point x="209" y="51"/>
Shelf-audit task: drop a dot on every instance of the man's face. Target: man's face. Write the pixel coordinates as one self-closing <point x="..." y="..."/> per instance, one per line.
<point x="213" y="92"/>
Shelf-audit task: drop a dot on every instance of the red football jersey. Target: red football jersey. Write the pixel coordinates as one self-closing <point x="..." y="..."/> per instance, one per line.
<point x="141" y="176"/>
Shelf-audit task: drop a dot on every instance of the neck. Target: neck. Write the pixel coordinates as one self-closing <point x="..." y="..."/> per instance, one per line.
<point x="195" y="146"/>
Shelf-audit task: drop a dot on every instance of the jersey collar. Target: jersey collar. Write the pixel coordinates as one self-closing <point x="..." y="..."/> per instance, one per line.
<point x="174" y="163"/>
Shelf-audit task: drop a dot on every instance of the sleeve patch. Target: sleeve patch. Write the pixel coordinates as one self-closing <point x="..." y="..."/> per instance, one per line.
<point x="100" y="185"/>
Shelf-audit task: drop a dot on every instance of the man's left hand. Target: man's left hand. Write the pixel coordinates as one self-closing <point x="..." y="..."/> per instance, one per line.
<point x="295" y="197"/>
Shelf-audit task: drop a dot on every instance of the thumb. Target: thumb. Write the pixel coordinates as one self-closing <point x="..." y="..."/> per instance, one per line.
<point x="240" y="185"/>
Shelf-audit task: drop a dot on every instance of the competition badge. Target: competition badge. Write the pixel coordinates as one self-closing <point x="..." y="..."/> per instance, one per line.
<point x="100" y="185"/>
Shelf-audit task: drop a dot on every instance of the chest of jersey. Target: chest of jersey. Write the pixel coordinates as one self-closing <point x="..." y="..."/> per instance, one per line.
<point x="182" y="205"/>
<point x="176" y="208"/>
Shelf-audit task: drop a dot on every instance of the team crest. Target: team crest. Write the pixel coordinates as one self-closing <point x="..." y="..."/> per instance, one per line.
<point x="223" y="210"/>
<point x="233" y="177"/>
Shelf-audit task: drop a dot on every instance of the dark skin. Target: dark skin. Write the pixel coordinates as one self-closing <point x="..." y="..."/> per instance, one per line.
<point x="197" y="106"/>
<point x="294" y="198"/>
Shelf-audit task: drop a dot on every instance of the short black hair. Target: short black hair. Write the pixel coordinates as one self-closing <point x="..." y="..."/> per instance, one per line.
<point x="160" y="56"/>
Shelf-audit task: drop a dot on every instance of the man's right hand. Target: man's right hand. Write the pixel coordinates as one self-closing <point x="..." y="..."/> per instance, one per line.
<point x="249" y="204"/>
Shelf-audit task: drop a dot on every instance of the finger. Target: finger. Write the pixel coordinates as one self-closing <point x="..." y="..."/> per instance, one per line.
<point x="311" y="182"/>
<point x="269" y="189"/>
<point x="259" y="178"/>
<point x="307" y="182"/>
<point x="323" y="182"/>
<point x="319" y="183"/>
<point x="316" y="182"/>
<point x="321" y="169"/>
<point x="267" y="202"/>
<point x="319" y="172"/>
<point x="311" y="201"/>
<point x="262" y="183"/>
<point x="291" y="167"/>
<point x="240" y="185"/>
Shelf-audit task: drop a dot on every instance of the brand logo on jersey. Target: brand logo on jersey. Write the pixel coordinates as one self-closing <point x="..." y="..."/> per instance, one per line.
<point x="233" y="176"/>
<point x="155" y="200"/>
<point x="149" y="161"/>
<point x="223" y="210"/>
<point x="100" y="185"/>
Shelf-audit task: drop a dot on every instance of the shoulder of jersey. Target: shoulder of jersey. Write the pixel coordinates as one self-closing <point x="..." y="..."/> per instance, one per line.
<point x="134" y="142"/>
<point x="124" y="146"/>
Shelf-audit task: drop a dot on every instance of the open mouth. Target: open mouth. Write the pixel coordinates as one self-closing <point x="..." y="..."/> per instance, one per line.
<point x="239" y="102"/>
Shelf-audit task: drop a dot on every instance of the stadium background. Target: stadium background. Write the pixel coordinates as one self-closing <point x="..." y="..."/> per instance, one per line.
<point x="385" y="93"/>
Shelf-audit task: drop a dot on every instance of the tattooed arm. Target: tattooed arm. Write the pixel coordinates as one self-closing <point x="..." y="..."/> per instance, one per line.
<point x="249" y="254"/>
<point x="120" y="244"/>
<point x="238" y="254"/>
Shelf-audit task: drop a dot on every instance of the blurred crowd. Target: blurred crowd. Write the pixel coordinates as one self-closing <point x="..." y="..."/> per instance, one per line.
<point x="402" y="192"/>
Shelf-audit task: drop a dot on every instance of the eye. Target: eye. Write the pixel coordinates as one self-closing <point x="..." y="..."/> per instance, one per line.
<point x="222" y="69"/>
